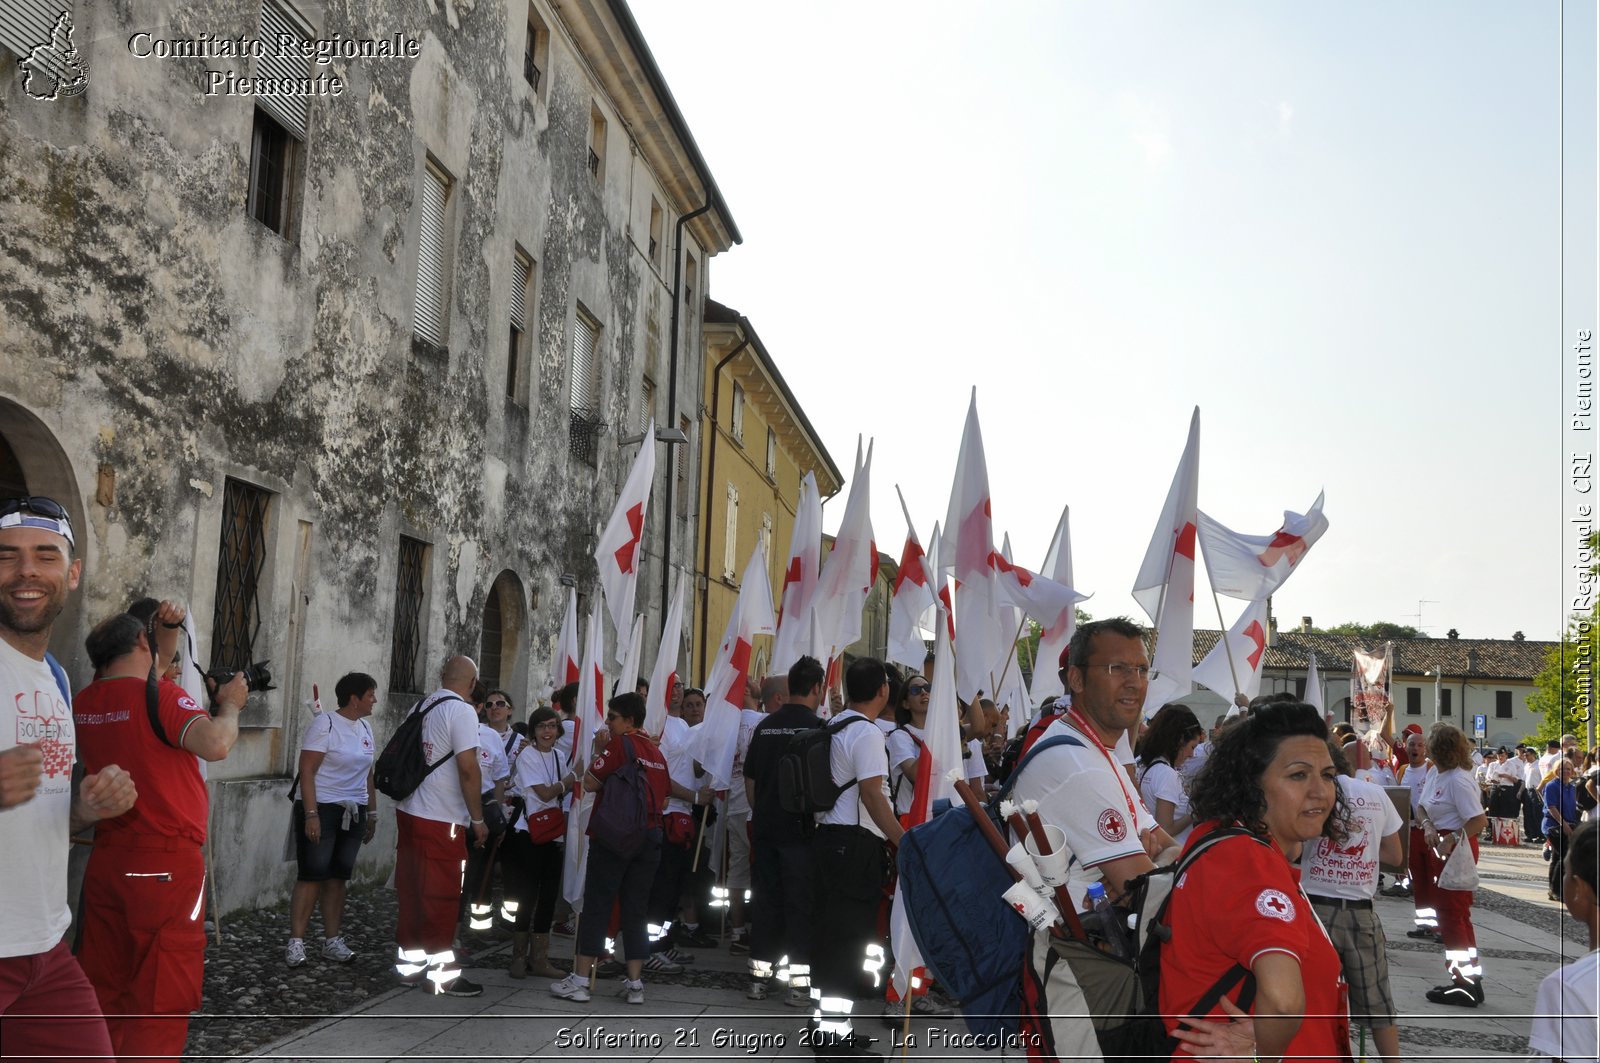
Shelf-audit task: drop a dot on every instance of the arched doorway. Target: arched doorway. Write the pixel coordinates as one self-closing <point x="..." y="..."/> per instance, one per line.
<point x="33" y="463"/>
<point x="501" y="662"/>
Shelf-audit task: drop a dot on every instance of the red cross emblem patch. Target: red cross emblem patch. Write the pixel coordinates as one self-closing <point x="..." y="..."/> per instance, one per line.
<point x="1112" y="826"/>
<point x="1275" y="904"/>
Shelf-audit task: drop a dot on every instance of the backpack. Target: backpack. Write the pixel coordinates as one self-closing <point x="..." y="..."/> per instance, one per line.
<point x="805" y="774"/>
<point x="402" y="766"/>
<point x="621" y="814"/>
<point x="972" y="941"/>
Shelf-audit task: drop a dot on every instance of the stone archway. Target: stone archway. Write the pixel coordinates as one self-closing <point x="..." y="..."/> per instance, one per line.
<point x="32" y="462"/>
<point x="501" y="661"/>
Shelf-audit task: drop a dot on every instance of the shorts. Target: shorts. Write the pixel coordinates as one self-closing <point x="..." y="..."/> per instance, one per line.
<point x="333" y="856"/>
<point x="1357" y="935"/>
<point x="738" y="835"/>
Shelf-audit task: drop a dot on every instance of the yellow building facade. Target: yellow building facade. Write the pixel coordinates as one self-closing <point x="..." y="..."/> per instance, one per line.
<point x="756" y="446"/>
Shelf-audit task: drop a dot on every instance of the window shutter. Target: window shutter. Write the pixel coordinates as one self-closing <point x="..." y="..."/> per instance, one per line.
<point x="730" y="542"/>
<point x="585" y="395"/>
<point x="430" y="259"/>
<point x="519" y="290"/>
<point x="26" y="24"/>
<point x="287" y="108"/>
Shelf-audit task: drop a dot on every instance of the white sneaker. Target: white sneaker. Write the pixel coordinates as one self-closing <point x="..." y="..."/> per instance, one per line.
<point x="634" y="991"/>
<point x="336" y="950"/>
<point x="757" y="991"/>
<point x="569" y="988"/>
<point x="295" y="954"/>
<point x="798" y="997"/>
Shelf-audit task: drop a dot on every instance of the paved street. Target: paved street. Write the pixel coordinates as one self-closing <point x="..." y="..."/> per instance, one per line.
<point x="1518" y="934"/>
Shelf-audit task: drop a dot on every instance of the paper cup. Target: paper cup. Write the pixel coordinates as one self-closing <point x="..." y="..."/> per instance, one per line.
<point x="1052" y="868"/>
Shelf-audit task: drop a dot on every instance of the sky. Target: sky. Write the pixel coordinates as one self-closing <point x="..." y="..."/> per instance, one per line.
<point x="1334" y="228"/>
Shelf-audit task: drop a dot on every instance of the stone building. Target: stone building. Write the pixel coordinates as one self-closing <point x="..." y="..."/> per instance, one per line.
<point x="347" y="373"/>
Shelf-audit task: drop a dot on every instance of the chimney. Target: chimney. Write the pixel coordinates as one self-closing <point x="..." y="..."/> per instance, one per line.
<point x="1272" y="631"/>
<point x="1472" y="659"/>
<point x="1305" y="625"/>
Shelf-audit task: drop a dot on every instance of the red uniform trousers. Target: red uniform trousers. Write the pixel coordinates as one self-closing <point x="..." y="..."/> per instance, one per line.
<point x="48" y="1009"/>
<point x="1422" y="888"/>
<point x="428" y="864"/>
<point x="144" y="938"/>
<point x="1455" y="918"/>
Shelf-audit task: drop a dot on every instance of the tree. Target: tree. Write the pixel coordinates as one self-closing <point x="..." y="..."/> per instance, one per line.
<point x="1028" y="644"/>
<point x="1564" y="688"/>
<point x="1381" y="631"/>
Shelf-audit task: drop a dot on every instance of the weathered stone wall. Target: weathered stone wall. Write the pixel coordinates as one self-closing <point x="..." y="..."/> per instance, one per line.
<point x="170" y="341"/>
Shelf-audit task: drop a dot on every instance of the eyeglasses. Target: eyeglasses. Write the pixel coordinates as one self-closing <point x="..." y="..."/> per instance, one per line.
<point x="1119" y="671"/>
<point x="920" y="688"/>
<point x="498" y="704"/>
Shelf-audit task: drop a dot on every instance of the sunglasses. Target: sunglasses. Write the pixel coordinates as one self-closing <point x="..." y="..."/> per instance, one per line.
<point x="919" y="688"/>
<point x="44" y="507"/>
<point x="498" y="704"/>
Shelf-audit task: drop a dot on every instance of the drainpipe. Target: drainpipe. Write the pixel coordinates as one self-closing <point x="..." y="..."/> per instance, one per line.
<point x="711" y="471"/>
<point x="672" y="390"/>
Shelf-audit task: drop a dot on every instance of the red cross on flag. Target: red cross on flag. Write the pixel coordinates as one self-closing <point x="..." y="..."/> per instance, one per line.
<point x="981" y="649"/>
<point x="1246" y="641"/>
<point x="711" y="742"/>
<point x="1040" y="597"/>
<point x="800" y="581"/>
<point x="1054" y="638"/>
<point x="1165" y="584"/>
<point x="618" y="553"/>
<point x="912" y="603"/>
<point x="564" y="665"/>
<point x="1253" y="566"/>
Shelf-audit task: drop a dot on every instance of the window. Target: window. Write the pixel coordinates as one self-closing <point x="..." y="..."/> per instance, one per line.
<point x="429" y="324"/>
<point x="241" y="557"/>
<point x="278" y="135"/>
<point x="772" y="454"/>
<point x="1502" y="705"/>
<point x="535" y="51"/>
<point x="597" y="144"/>
<point x="1413" y="701"/>
<point x="730" y="536"/>
<point x="517" y="347"/>
<point x="410" y="584"/>
<point x="647" y="406"/>
<point x="656" y="222"/>
<point x="1444" y="701"/>
<point x="691" y="277"/>
<point x="737" y="426"/>
<point x="766" y="536"/>
<point x="1300" y="689"/>
<point x="584" y="394"/>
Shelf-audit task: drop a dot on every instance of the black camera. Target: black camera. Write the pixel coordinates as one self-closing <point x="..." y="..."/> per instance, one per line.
<point x="256" y="676"/>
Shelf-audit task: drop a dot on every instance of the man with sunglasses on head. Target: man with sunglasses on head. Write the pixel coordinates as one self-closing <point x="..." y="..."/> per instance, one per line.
<point x="47" y="1006"/>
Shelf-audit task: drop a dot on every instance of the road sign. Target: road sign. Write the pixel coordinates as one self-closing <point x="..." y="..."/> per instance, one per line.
<point x="1480" y="725"/>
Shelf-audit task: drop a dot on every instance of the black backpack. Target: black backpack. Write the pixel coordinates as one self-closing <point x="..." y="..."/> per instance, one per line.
<point x="401" y="766"/>
<point x="805" y="776"/>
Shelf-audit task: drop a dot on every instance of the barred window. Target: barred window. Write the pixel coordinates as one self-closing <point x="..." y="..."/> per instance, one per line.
<point x="409" y="591"/>
<point x="240" y="559"/>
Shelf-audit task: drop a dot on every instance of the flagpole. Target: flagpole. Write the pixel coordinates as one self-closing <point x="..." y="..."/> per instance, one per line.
<point x="1009" y="658"/>
<point x="1222" y="625"/>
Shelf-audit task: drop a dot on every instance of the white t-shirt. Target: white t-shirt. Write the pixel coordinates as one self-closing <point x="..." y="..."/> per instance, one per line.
<point x="1350" y="871"/>
<point x="1547" y="764"/>
<point x="903" y="745"/>
<point x="1451" y="798"/>
<point x="536" y="768"/>
<point x="1417" y="779"/>
<point x="492" y="763"/>
<point x="564" y="742"/>
<point x="451" y="728"/>
<point x="1090" y="798"/>
<point x="737" y="804"/>
<point x="1161" y="782"/>
<point x="1566" y="1019"/>
<point x="1507" y="774"/>
<point x="34" y="834"/>
<point x="858" y="753"/>
<point x="1379" y="773"/>
<point x="1196" y="761"/>
<point x="972" y="765"/>
<point x="680" y="761"/>
<point x="347" y="752"/>
<point x="1532" y="775"/>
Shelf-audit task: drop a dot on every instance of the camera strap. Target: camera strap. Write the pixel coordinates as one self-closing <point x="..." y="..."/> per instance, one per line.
<point x="152" y="694"/>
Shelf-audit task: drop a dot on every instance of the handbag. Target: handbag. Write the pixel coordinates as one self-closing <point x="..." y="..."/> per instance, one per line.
<point x="547" y="825"/>
<point x="1459" y="872"/>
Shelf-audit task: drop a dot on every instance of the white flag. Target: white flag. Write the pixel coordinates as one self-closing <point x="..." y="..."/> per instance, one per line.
<point x="850" y="568"/>
<point x="800" y="577"/>
<point x="618" y="554"/>
<point x="1254" y="566"/>
<point x="589" y="717"/>
<point x="1165" y="585"/>
<point x="965" y="551"/>
<point x="1314" y="686"/>
<point x="568" y="656"/>
<point x="665" y="675"/>
<point x="712" y="741"/>
<point x="1240" y="673"/>
<point x="1054" y="638"/>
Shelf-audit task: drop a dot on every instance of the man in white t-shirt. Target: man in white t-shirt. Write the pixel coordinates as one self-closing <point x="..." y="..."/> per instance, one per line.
<point x="1566" y="1010"/>
<point x="851" y="863"/>
<point x="1341" y="879"/>
<point x="684" y="797"/>
<point x="434" y="823"/>
<point x="47" y="1005"/>
<point x="1082" y="788"/>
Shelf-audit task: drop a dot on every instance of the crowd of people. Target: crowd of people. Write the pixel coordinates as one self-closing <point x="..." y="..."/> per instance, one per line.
<point x="1279" y="828"/>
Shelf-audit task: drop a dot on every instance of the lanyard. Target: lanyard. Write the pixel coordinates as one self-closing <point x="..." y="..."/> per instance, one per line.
<point x="1078" y="723"/>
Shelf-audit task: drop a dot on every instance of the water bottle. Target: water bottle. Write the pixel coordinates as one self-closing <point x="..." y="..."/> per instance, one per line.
<point x="1105" y="919"/>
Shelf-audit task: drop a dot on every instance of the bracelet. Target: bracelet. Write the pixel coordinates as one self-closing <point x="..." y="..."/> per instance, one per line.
<point x="477" y="823"/>
<point x="309" y="809"/>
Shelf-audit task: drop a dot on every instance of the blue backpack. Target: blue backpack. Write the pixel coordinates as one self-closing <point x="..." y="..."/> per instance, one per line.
<point x="972" y="941"/>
